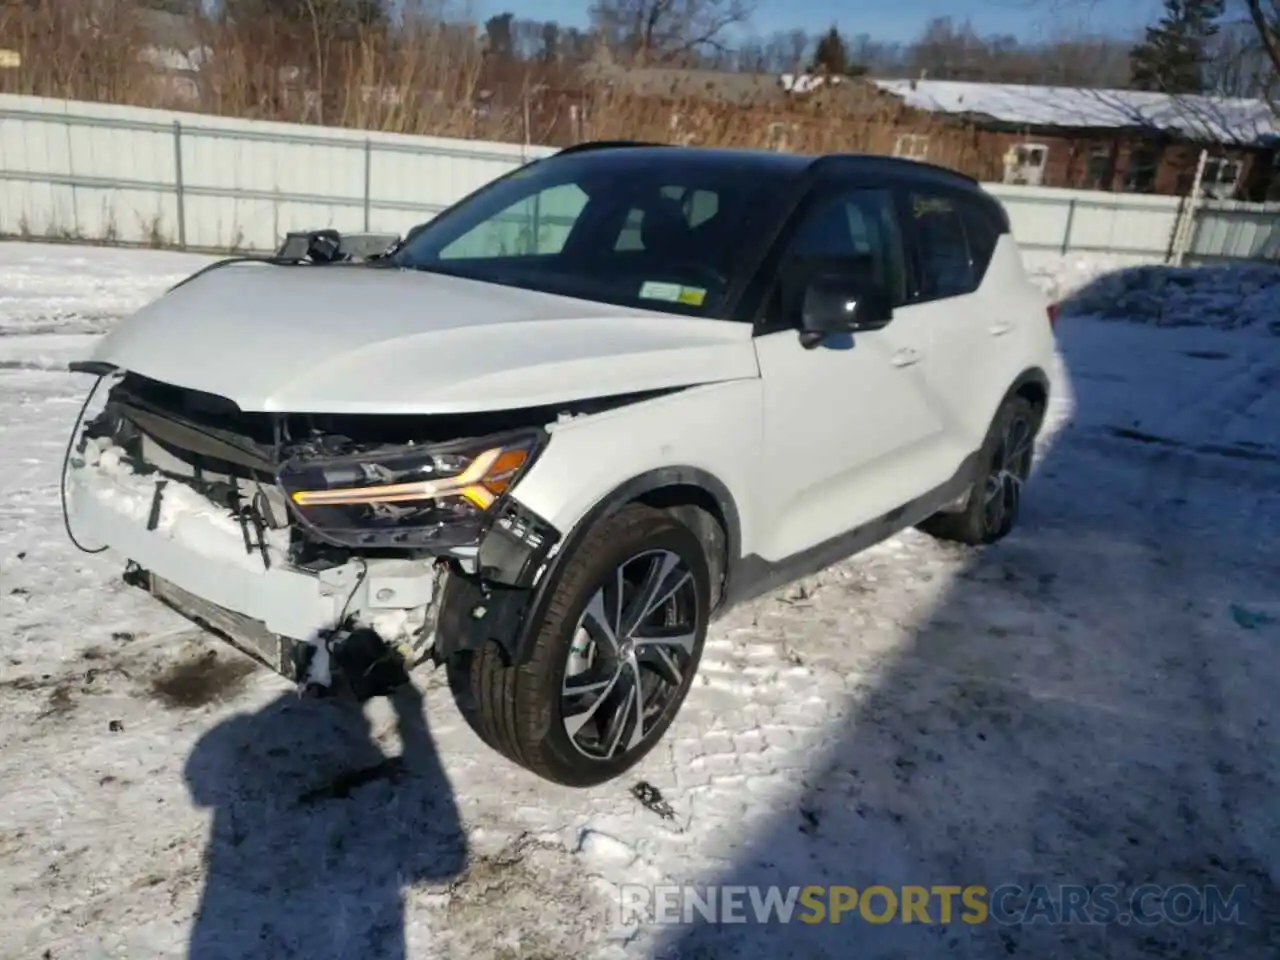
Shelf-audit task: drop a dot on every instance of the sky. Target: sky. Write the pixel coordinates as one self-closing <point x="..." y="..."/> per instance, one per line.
<point x="897" y="20"/>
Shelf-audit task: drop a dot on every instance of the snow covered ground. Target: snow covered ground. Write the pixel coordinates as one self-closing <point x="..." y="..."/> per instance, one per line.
<point x="1083" y="703"/>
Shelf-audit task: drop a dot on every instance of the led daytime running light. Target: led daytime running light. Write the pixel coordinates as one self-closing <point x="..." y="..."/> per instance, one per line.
<point x="470" y="483"/>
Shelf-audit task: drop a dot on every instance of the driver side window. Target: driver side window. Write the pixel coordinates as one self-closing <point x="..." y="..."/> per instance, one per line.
<point x="855" y="232"/>
<point x="536" y="226"/>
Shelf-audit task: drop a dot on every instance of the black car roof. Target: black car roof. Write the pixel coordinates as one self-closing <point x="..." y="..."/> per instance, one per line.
<point x="769" y="162"/>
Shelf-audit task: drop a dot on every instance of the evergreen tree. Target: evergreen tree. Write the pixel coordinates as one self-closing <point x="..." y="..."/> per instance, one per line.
<point x="1172" y="57"/>
<point x="550" y="51"/>
<point x="831" y="56"/>
<point x="501" y="39"/>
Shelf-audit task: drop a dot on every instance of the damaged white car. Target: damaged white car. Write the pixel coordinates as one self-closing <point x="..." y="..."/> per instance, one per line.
<point x="551" y="434"/>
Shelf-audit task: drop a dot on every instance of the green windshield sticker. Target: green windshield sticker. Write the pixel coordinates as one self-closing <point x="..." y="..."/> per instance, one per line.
<point x="923" y="206"/>
<point x="672" y="293"/>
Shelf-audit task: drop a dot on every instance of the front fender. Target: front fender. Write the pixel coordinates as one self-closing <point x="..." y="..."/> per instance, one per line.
<point x="705" y="437"/>
<point x="713" y="431"/>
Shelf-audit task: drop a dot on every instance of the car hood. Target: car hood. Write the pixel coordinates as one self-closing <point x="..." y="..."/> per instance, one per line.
<point x="338" y="339"/>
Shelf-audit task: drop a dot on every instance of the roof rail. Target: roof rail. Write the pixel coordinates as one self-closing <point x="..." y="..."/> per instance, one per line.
<point x="897" y="161"/>
<point x="606" y="145"/>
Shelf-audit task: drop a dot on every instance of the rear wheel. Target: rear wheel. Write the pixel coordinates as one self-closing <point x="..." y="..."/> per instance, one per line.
<point x="995" y="499"/>
<point x="612" y="661"/>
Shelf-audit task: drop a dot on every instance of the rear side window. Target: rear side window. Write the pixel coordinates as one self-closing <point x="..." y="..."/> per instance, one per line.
<point x="946" y="265"/>
<point x="983" y="225"/>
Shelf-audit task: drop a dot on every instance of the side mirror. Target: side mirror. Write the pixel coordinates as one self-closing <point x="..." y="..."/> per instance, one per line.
<point x="836" y="304"/>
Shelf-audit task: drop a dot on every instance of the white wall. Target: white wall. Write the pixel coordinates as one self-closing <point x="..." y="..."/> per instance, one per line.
<point x="98" y="171"/>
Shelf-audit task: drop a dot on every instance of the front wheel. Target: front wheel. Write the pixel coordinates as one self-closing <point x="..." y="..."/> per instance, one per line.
<point x="995" y="498"/>
<point x="612" y="661"/>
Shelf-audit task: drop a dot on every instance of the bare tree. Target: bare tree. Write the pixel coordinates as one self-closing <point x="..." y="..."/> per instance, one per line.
<point x="878" y="57"/>
<point x="1239" y="65"/>
<point x="1265" y="16"/>
<point x="667" y="30"/>
<point x="946" y="50"/>
<point x="1077" y="59"/>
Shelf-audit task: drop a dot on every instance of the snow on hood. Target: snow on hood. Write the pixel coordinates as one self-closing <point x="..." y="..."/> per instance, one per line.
<point x="362" y="340"/>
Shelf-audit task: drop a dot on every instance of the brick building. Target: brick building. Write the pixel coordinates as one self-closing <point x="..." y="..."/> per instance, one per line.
<point x="1120" y="140"/>
<point x="1114" y="140"/>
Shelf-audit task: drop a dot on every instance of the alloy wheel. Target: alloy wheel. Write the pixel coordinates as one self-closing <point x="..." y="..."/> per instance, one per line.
<point x="1010" y="467"/>
<point x="631" y="652"/>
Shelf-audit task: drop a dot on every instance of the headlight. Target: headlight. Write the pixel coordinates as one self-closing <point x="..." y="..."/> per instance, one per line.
<point x="432" y="495"/>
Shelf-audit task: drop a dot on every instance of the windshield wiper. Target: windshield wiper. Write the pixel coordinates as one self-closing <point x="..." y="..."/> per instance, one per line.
<point x="506" y="279"/>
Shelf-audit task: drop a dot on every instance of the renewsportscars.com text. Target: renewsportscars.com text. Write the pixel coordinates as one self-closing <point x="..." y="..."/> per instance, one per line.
<point x="940" y="904"/>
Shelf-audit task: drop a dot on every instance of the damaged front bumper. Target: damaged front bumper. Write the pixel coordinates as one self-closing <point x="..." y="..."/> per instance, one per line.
<point x="364" y="617"/>
<point x="191" y="557"/>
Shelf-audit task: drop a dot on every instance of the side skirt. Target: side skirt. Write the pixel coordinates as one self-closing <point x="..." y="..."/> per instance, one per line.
<point x="753" y="576"/>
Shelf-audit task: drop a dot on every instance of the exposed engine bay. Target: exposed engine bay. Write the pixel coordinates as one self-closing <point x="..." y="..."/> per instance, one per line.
<point x="236" y="460"/>
<point x="402" y="520"/>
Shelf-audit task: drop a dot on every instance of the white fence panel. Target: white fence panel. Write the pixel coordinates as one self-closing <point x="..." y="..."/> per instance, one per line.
<point x="1049" y="222"/>
<point x="71" y="170"/>
<point x="103" y="172"/>
<point x="1229" y="230"/>
<point x="63" y="177"/>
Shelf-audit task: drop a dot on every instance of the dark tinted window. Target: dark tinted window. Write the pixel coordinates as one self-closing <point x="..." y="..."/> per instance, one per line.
<point x="697" y="207"/>
<point x="859" y="229"/>
<point x="945" y="266"/>
<point x="662" y="235"/>
<point x="983" y="225"/>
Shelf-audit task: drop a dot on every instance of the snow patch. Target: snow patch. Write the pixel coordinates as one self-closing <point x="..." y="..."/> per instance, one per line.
<point x="1228" y="297"/>
<point x="103" y="473"/>
<point x="71" y="289"/>
<point x="605" y="849"/>
<point x="1242" y="296"/>
<point x="1059" y="279"/>
<point x="398" y="626"/>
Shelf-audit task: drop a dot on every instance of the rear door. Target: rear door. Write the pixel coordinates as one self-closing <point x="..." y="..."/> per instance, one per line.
<point x="971" y="355"/>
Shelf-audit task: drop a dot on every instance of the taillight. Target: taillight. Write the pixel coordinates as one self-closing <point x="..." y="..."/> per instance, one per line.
<point x="1052" y="310"/>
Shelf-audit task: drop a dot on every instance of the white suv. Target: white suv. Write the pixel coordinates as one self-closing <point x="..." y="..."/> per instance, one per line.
<point x="552" y="433"/>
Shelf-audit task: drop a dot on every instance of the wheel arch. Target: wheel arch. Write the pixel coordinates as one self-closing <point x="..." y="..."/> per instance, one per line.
<point x="1033" y="385"/>
<point x="698" y="497"/>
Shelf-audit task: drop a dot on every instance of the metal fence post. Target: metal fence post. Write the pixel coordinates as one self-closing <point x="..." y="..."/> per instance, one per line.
<point x="71" y="169"/>
<point x="368" y="181"/>
<point x="1184" y="226"/>
<point x="178" y="185"/>
<point x="1066" y="233"/>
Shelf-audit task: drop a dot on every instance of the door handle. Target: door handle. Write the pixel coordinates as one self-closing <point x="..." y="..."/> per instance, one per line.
<point x="1000" y="328"/>
<point x="905" y="357"/>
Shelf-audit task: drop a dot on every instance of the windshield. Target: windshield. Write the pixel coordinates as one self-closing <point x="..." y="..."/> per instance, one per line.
<point x="654" y="235"/>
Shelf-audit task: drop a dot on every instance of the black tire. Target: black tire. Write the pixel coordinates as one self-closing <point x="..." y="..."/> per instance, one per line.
<point x="520" y="710"/>
<point x="976" y="524"/>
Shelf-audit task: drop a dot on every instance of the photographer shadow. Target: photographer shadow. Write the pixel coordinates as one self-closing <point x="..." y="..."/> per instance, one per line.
<point x="300" y="864"/>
